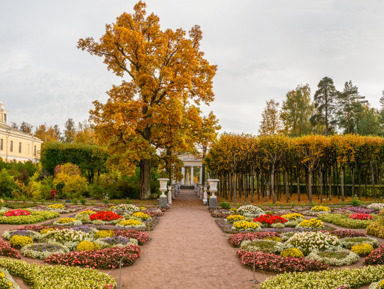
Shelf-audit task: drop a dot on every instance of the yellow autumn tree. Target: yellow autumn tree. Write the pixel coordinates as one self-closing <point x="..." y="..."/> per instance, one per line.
<point x="165" y="73"/>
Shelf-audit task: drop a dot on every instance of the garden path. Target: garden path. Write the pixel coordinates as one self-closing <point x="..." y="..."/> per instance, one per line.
<point x="187" y="250"/>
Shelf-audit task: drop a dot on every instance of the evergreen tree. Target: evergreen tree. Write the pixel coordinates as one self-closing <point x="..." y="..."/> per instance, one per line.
<point x="325" y="105"/>
<point x="350" y="106"/>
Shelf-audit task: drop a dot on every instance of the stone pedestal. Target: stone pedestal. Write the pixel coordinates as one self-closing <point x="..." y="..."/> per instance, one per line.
<point x="212" y="203"/>
<point x="163" y="203"/>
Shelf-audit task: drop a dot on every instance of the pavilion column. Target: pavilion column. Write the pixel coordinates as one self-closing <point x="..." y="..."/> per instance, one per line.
<point x="201" y="175"/>
<point x="191" y="176"/>
<point x="183" y="173"/>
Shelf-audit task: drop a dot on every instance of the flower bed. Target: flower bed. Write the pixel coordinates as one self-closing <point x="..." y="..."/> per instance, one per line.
<point x="235" y="218"/>
<point x="293" y="216"/>
<point x="58" y="277"/>
<point x="344" y="221"/>
<point x="56" y="206"/>
<point x="362" y="249"/>
<point x="265" y="246"/>
<point x="330" y="279"/>
<point x="36" y="228"/>
<point x="375" y="229"/>
<point x="127" y="207"/>
<point x="361" y="216"/>
<point x="360" y="210"/>
<point x="268" y="220"/>
<point x="43" y="250"/>
<point x="130" y="223"/>
<point x="250" y="211"/>
<point x="312" y="223"/>
<point x="320" y="209"/>
<point x="376" y="206"/>
<point x="108" y="258"/>
<point x="105" y="216"/>
<point x="104" y="234"/>
<point x="347" y="233"/>
<point x="67" y="222"/>
<point x="245" y="226"/>
<point x="351" y="241"/>
<point x="87" y="246"/>
<point x="222" y="213"/>
<point x="334" y="258"/>
<point x="7" y="251"/>
<point x="278" y="264"/>
<point x="309" y="241"/>
<point x="6" y="280"/>
<point x="20" y="241"/>
<point x="141" y="237"/>
<point x="115" y="241"/>
<point x="236" y="239"/>
<point x="141" y="216"/>
<point x="16" y="213"/>
<point x="32" y="234"/>
<point x="376" y="256"/>
<point x="66" y="237"/>
<point x="291" y="252"/>
<point x="34" y="217"/>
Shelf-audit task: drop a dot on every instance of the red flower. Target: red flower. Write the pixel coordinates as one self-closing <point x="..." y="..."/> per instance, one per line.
<point x="17" y="212"/>
<point x="105" y="216"/>
<point x="269" y="220"/>
<point x="361" y="216"/>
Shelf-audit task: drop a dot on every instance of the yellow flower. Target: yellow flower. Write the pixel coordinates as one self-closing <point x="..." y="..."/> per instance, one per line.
<point x="293" y="216"/>
<point x="131" y="223"/>
<point x="320" y="209"/>
<point x="141" y="215"/>
<point x="66" y="220"/>
<point x="56" y="206"/>
<point x="312" y="223"/>
<point x="235" y="218"/>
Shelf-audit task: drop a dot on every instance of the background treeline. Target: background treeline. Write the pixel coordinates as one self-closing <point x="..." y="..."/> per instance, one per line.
<point x="70" y="171"/>
<point x="329" y="111"/>
<point x="276" y="167"/>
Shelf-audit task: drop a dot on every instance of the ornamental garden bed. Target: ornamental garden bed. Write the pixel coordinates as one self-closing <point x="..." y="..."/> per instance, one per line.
<point x="69" y="243"/>
<point x="297" y="245"/>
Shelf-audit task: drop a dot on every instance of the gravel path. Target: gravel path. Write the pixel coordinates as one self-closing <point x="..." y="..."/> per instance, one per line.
<point x="187" y="250"/>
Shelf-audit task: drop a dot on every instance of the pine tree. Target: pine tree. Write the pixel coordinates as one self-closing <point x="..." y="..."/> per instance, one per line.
<point x="324" y="103"/>
<point x="350" y="105"/>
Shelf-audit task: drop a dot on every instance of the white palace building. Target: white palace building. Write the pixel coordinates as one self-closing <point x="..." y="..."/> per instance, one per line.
<point x="16" y="145"/>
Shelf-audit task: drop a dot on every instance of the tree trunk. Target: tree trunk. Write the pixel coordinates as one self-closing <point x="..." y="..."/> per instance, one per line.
<point x="145" y="179"/>
<point x="273" y="184"/>
<point x="252" y="186"/>
<point x="286" y="191"/>
<point x="257" y="186"/>
<point x="310" y="184"/>
<point x="342" y="182"/>
<point x="298" y="186"/>
<point x="234" y="189"/>
<point x="373" y="180"/>
<point x="330" y="183"/>
<point x="321" y="186"/>
<point x="353" y="181"/>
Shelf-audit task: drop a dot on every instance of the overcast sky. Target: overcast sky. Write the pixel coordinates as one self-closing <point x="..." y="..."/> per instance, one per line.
<point x="263" y="49"/>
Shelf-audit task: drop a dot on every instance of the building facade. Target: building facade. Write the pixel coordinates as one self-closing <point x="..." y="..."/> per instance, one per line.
<point x="16" y="145"/>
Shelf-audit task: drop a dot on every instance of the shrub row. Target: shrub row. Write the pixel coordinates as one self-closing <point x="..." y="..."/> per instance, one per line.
<point x="345" y="221"/>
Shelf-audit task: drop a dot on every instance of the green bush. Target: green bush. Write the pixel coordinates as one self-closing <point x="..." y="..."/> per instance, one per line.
<point x="225" y="205"/>
<point x="376" y="229"/>
<point x="7" y="183"/>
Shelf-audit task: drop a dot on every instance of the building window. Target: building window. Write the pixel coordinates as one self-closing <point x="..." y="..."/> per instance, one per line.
<point x="19" y="147"/>
<point x="11" y="146"/>
<point x="5" y="117"/>
<point x="34" y="151"/>
<point x="1" y="144"/>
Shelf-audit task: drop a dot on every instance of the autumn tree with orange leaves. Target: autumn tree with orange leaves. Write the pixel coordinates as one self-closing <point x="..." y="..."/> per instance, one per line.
<point x="156" y="107"/>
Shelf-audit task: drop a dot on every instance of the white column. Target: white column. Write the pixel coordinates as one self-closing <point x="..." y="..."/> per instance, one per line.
<point x="183" y="173"/>
<point x="191" y="176"/>
<point x="201" y="175"/>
